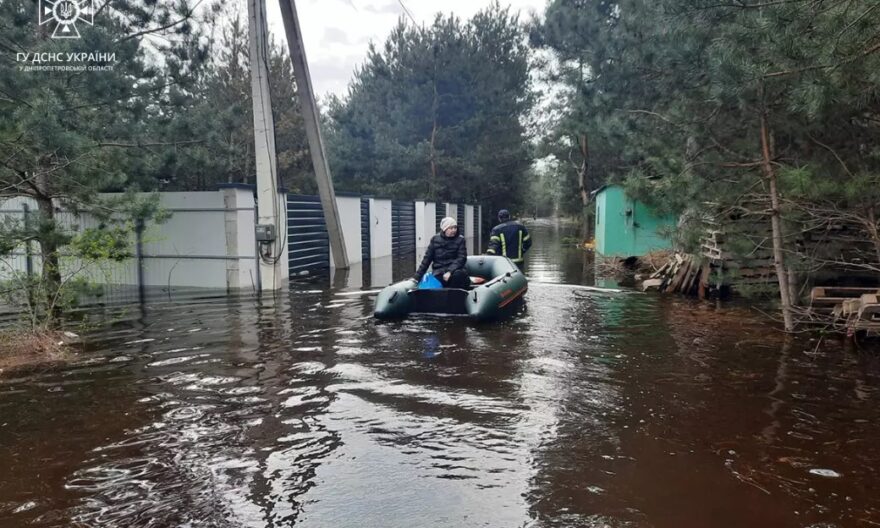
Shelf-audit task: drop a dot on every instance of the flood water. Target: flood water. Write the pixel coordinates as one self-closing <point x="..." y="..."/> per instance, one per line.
<point x="588" y="409"/>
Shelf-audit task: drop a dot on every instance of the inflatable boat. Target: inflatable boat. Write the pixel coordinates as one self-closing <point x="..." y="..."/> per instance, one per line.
<point x="497" y="286"/>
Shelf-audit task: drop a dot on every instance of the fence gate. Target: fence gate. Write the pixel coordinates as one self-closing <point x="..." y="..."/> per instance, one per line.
<point x="403" y="229"/>
<point x="308" y="244"/>
<point x="365" y="229"/>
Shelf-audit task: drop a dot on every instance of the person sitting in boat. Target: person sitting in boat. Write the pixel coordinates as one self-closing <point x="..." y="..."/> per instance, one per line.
<point x="509" y="239"/>
<point x="448" y="254"/>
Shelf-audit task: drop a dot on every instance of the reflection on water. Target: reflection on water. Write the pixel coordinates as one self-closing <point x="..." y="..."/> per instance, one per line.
<point x="588" y="409"/>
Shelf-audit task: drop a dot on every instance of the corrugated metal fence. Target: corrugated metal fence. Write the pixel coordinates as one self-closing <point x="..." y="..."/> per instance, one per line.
<point x="462" y="229"/>
<point x="365" y="229"/>
<point x="307" y="239"/>
<point x="403" y="228"/>
<point x="440" y="213"/>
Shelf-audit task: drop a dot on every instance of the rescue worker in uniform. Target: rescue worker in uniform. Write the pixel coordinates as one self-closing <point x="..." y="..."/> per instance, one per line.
<point x="448" y="254"/>
<point x="510" y="239"/>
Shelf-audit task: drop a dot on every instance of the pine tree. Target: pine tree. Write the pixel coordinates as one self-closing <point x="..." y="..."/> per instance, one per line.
<point x="439" y="112"/>
<point x="66" y="136"/>
<point x="707" y="107"/>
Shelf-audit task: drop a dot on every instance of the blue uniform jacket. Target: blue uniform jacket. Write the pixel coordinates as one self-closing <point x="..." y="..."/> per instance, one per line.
<point x="510" y="239"/>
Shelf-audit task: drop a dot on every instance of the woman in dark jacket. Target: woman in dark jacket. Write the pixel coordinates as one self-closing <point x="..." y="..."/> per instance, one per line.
<point x="448" y="253"/>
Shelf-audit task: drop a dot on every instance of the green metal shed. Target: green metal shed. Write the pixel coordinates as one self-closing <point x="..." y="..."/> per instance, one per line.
<point x="627" y="227"/>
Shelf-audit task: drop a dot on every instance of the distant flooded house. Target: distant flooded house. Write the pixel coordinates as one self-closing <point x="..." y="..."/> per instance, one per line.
<point x="625" y="227"/>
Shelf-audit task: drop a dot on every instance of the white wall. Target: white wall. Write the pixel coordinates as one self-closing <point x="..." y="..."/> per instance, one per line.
<point x="420" y="223"/>
<point x="425" y="226"/>
<point x="207" y="242"/>
<point x="380" y="228"/>
<point x="350" y="220"/>
<point x="241" y="241"/>
<point x="430" y="220"/>
<point x="452" y="210"/>
<point x="197" y="228"/>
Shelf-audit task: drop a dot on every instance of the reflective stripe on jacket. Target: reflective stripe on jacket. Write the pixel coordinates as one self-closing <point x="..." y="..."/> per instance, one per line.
<point x="510" y="239"/>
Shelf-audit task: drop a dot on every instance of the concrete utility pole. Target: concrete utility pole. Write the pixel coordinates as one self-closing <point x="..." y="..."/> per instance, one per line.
<point x="269" y="211"/>
<point x="313" y="131"/>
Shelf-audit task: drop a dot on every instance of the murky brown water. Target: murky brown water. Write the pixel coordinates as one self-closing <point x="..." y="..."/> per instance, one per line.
<point x="587" y="410"/>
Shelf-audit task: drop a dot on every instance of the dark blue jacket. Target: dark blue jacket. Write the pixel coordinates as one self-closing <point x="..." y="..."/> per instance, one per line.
<point x="510" y="239"/>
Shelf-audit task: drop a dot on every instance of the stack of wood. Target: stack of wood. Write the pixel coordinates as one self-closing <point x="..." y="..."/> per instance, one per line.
<point x="682" y="273"/>
<point x="711" y="245"/>
<point x="756" y="268"/>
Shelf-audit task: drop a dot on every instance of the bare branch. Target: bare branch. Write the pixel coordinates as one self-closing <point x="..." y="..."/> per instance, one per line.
<point x="146" y="145"/>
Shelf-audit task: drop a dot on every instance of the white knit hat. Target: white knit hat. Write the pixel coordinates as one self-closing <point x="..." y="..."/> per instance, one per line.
<point x="447" y="222"/>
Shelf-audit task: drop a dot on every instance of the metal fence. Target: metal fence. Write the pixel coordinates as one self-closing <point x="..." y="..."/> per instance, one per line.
<point x="462" y="229"/>
<point x="403" y="228"/>
<point x="116" y="282"/>
<point x="365" y="229"/>
<point x="207" y="243"/>
<point x="307" y="240"/>
<point x="439" y="214"/>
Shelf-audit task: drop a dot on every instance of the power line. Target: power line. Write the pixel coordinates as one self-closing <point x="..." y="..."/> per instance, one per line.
<point x="407" y="12"/>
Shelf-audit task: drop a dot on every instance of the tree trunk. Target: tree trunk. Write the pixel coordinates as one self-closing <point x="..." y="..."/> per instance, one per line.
<point x="794" y="287"/>
<point x="432" y="188"/>
<point x="230" y="176"/>
<point x="583" y="173"/>
<point x="435" y="108"/>
<point x="584" y="187"/>
<point x="776" y="225"/>
<point x="51" y="272"/>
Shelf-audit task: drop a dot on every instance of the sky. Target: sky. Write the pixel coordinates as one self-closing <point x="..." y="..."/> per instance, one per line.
<point x="338" y="32"/>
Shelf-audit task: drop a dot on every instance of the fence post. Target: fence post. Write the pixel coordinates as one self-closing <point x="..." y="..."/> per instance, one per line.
<point x="139" y="255"/>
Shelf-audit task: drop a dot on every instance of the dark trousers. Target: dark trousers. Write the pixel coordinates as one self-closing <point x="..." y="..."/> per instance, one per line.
<point x="458" y="279"/>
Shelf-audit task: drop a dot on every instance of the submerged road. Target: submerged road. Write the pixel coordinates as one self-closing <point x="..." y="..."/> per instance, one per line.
<point x="589" y="409"/>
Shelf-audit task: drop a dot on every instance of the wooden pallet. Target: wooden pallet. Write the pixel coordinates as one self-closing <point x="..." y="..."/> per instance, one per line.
<point x="847" y="303"/>
<point x="862" y="313"/>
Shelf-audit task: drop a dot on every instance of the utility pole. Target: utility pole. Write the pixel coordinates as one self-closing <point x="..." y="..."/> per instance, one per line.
<point x="271" y="218"/>
<point x="313" y="131"/>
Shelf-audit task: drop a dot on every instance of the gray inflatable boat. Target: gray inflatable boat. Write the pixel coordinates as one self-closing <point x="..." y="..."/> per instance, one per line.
<point x="497" y="286"/>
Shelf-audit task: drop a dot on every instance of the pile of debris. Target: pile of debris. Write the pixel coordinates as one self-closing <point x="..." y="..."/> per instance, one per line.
<point x="715" y="270"/>
<point x="682" y="273"/>
<point x="855" y="309"/>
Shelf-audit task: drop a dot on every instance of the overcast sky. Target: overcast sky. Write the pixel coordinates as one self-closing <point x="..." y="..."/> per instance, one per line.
<point x="337" y="32"/>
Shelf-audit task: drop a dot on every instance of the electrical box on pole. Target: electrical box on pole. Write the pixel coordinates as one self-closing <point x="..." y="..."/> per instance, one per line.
<point x="271" y="211"/>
